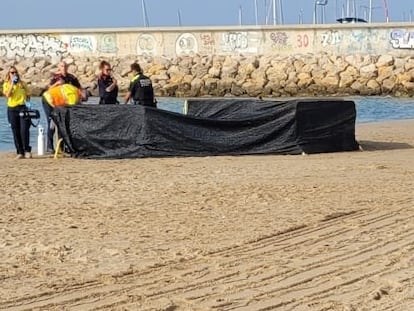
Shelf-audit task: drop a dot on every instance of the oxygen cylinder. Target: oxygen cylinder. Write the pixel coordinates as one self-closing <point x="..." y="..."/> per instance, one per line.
<point x="41" y="141"/>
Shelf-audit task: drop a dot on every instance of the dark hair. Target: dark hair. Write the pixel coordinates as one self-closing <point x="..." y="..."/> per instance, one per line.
<point x="103" y="63"/>
<point x="136" y="67"/>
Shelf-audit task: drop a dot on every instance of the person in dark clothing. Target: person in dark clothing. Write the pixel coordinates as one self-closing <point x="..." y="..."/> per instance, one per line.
<point x="140" y="90"/>
<point x="107" y="85"/>
<point x="59" y="78"/>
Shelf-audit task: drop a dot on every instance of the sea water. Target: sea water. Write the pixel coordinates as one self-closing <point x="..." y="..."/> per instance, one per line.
<point x="369" y="109"/>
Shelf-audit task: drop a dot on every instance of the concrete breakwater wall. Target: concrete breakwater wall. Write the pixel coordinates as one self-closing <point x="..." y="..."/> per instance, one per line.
<point x="374" y="59"/>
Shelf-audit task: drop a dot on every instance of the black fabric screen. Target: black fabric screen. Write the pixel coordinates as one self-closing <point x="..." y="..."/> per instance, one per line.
<point x="211" y="127"/>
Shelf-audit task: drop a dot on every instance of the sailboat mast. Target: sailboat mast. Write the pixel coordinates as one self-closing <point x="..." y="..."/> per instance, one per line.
<point x="240" y="15"/>
<point x="256" y="13"/>
<point x="274" y="12"/>
<point x="281" y="16"/>
<point x="370" y="12"/>
<point x="387" y="16"/>
<point x="144" y="14"/>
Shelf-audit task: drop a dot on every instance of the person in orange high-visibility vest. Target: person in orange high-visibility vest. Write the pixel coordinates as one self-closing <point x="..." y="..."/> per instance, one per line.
<point x="61" y="77"/>
<point x="58" y="96"/>
<point x="63" y="95"/>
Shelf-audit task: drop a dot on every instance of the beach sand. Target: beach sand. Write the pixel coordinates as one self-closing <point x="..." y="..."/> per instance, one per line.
<point x="311" y="232"/>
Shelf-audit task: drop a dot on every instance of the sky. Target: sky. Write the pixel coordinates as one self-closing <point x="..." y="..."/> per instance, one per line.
<point x="32" y="14"/>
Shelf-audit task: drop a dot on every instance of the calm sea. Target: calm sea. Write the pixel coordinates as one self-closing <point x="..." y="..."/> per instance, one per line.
<point x="369" y="109"/>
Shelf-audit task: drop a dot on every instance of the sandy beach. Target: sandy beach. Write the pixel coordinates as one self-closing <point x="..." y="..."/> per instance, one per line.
<point x="311" y="232"/>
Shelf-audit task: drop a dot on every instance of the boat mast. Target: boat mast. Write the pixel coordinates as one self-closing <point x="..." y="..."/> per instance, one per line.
<point x="144" y="14"/>
<point x="256" y="13"/>
<point x="179" y="17"/>
<point x="387" y="17"/>
<point x="274" y="12"/>
<point x="370" y="12"/>
<point x="240" y="15"/>
<point x="281" y="17"/>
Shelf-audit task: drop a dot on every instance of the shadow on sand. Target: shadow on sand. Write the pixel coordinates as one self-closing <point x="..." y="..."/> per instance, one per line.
<point x="368" y="145"/>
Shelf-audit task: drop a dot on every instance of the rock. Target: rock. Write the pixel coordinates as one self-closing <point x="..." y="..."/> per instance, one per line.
<point x="384" y="73"/>
<point x="358" y="87"/>
<point x="385" y="60"/>
<point x="215" y="71"/>
<point x="368" y="71"/>
<point x="388" y="85"/>
<point x="374" y="87"/>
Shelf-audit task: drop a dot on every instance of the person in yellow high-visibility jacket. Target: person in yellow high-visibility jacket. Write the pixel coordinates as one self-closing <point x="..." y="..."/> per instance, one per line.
<point x="58" y="96"/>
<point x="61" y="77"/>
<point x="63" y="95"/>
<point x="17" y="93"/>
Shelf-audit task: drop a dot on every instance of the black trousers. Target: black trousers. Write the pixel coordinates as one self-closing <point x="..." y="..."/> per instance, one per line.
<point x="50" y="131"/>
<point x="21" y="129"/>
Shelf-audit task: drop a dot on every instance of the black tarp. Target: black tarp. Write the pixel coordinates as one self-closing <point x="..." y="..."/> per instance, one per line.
<point x="211" y="127"/>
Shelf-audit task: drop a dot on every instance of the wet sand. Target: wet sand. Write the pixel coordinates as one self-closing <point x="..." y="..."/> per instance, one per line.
<point x="318" y="232"/>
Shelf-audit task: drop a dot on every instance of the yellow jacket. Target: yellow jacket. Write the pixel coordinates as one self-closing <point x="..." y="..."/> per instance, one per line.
<point x="20" y="92"/>
<point x="63" y="95"/>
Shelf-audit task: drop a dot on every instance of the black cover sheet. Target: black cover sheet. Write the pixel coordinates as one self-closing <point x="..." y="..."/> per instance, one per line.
<point x="211" y="127"/>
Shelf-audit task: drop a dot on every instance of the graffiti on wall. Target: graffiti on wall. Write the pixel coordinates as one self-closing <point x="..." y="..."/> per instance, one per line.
<point x="365" y="41"/>
<point x="402" y="39"/>
<point x="240" y="42"/>
<point x="279" y="38"/>
<point x="186" y="44"/>
<point x="235" y="41"/>
<point x="206" y="43"/>
<point x="331" y="37"/>
<point x="146" y="45"/>
<point x="107" y="43"/>
<point x="280" y="41"/>
<point x="82" y="44"/>
<point x="31" y="46"/>
<point x="302" y="41"/>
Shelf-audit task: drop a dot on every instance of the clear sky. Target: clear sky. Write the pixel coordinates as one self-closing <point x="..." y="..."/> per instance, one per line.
<point x="24" y="14"/>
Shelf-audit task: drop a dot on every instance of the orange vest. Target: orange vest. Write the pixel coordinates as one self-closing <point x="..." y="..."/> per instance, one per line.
<point x="63" y="95"/>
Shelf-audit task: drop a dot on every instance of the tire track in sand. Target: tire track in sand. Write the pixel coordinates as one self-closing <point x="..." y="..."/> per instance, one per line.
<point x="271" y="272"/>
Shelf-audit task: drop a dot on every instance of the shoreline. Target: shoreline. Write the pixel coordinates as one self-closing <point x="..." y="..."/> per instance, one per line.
<point x="361" y="125"/>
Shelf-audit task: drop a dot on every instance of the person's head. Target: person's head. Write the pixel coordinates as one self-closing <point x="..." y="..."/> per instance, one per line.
<point x="136" y="68"/>
<point x="11" y="73"/>
<point x="63" y="68"/>
<point x="105" y="68"/>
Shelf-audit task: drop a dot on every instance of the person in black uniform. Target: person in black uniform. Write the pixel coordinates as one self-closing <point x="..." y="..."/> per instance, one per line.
<point x="64" y="77"/>
<point x="107" y="85"/>
<point x="140" y="90"/>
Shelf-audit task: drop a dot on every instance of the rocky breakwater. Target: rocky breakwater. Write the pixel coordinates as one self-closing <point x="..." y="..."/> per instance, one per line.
<point x="270" y="76"/>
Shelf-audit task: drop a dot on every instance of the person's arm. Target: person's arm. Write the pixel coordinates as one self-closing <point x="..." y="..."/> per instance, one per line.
<point x="8" y="88"/>
<point x="130" y="92"/>
<point x="112" y="85"/>
<point x="127" y="97"/>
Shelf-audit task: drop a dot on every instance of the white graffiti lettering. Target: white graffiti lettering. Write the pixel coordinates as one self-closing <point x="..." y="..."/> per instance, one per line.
<point x="331" y="38"/>
<point x="29" y="46"/>
<point x="236" y="41"/>
<point x="401" y="39"/>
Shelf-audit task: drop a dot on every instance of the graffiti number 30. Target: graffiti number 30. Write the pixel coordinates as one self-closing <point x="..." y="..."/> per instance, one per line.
<point x="303" y="41"/>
